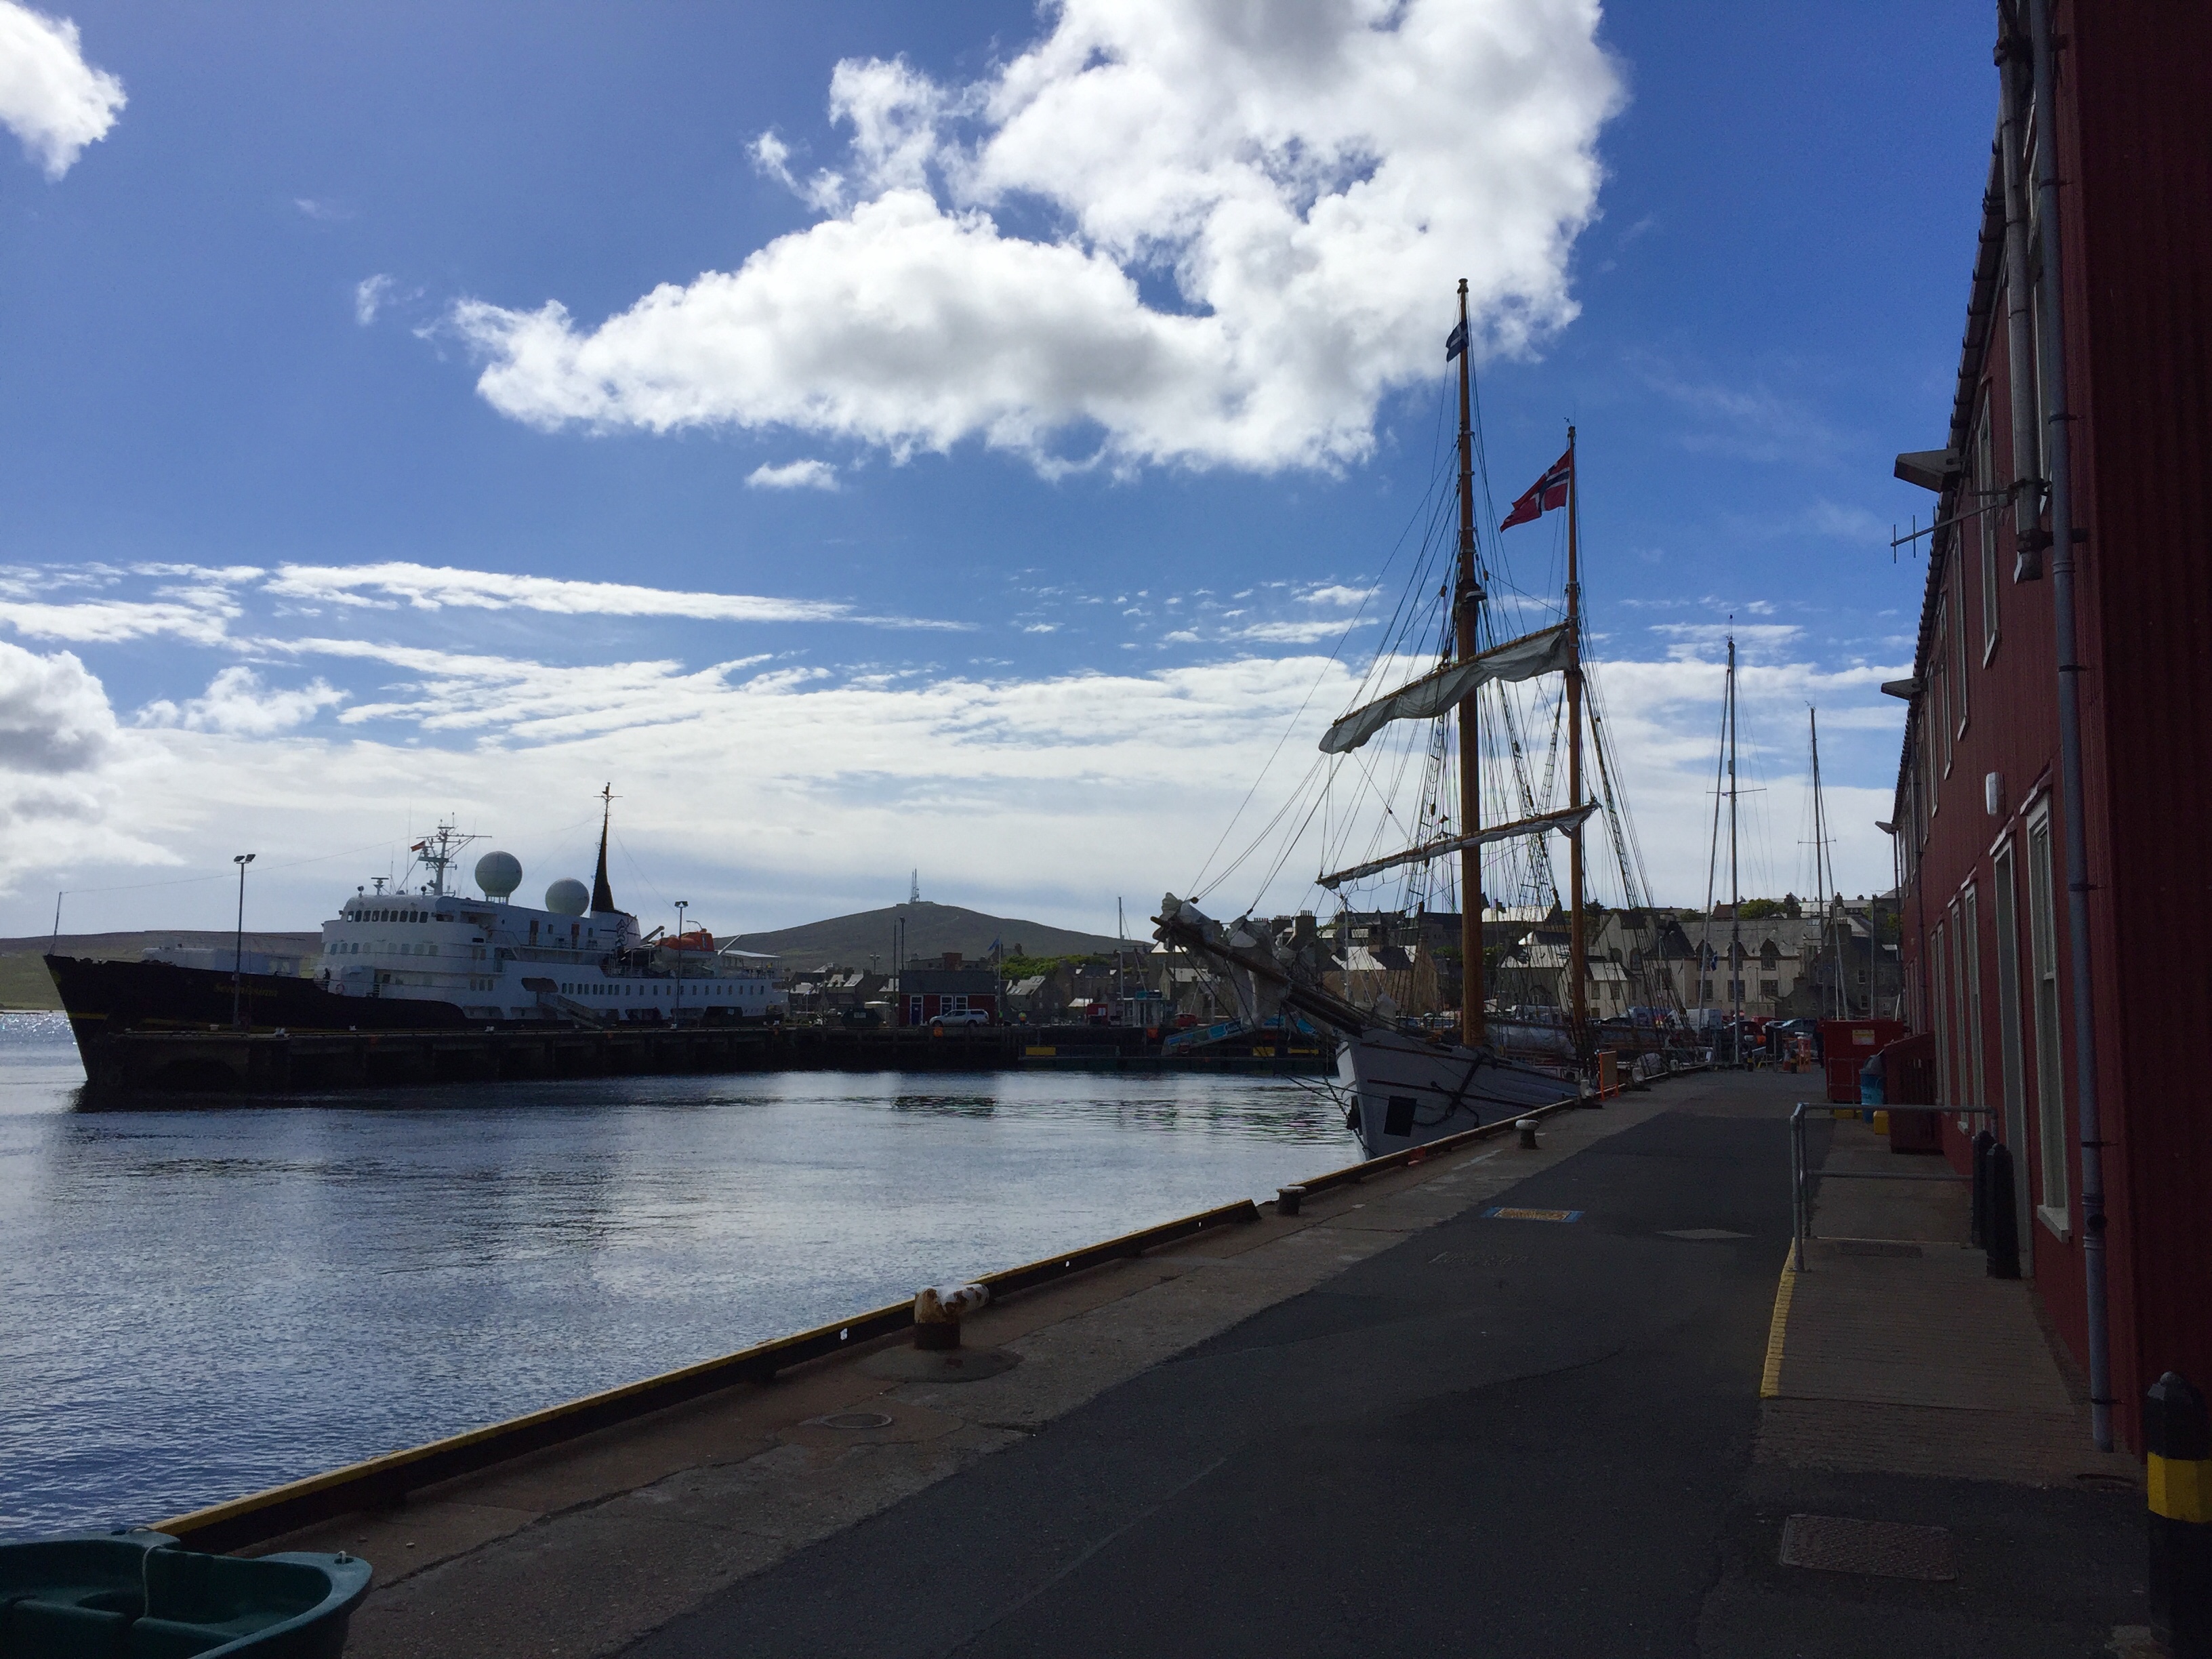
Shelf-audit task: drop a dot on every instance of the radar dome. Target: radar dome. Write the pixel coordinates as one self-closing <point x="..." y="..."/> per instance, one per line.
<point x="499" y="874"/>
<point x="567" y="897"/>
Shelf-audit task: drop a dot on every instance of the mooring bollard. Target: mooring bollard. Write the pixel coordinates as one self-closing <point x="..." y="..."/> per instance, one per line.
<point x="2178" y="1475"/>
<point x="1527" y="1125"/>
<point x="1288" y="1198"/>
<point x="937" y="1314"/>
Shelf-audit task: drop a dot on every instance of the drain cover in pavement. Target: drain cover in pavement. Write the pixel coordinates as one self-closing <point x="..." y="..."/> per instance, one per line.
<point x="856" y="1420"/>
<point x="1504" y="1212"/>
<point x="1885" y="1549"/>
<point x="1699" y="1235"/>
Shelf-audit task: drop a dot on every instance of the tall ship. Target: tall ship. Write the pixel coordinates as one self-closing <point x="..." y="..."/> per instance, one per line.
<point x="420" y="954"/>
<point x="1451" y="771"/>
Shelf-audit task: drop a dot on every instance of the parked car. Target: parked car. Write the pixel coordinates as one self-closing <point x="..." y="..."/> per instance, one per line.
<point x="959" y="1017"/>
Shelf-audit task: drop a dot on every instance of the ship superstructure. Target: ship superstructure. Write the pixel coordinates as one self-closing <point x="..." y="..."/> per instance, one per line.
<point x="421" y="953"/>
<point x="579" y="957"/>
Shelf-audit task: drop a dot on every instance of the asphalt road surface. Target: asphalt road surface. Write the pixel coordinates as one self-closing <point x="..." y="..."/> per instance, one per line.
<point x="1502" y="1436"/>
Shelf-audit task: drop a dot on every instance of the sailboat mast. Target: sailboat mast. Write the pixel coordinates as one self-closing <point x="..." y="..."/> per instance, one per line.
<point x="1469" y="595"/>
<point x="1577" y="943"/>
<point x="1735" y="881"/>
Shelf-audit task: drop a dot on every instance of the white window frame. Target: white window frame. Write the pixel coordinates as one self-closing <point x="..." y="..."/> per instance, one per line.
<point x="1970" y="925"/>
<point x="2054" y="1207"/>
<point x="2011" y="1123"/>
<point x="1938" y="1001"/>
<point x="1939" y="663"/>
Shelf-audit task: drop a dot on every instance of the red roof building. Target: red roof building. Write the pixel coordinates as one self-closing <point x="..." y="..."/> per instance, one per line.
<point x="2056" y="861"/>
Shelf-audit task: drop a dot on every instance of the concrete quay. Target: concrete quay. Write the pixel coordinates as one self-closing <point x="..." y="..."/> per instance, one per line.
<point x="1505" y="1401"/>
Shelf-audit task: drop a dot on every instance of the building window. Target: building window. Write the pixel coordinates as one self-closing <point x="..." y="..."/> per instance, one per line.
<point x="1976" y="1093"/>
<point x="1929" y="788"/>
<point x="2050" y="1076"/>
<point x="1940" y="999"/>
<point x="2013" y="1125"/>
<point x="1938" y="658"/>
<point x="1985" y="490"/>
<point x="1958" y="674"/>
<point x="1770" y="988"/>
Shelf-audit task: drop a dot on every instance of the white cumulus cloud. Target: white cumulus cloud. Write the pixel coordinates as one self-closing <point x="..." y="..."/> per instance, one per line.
<point x="239" y="702"/>
<point x="1344" y="598"/>
<point x="368" y="296"/>
<point x="50" y="97"/>
<point x="54" y="715"/>
<point x="1254" y="220"/>
<point x="793" y="475"/>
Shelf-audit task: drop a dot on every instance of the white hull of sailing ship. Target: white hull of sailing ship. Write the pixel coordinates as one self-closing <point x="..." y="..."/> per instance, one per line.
<point x="1404" y="1091"/>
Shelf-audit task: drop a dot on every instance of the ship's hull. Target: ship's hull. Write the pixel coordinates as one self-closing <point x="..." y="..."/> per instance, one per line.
<point x="107" y="998"/>
<point x="1406" y="1092"/>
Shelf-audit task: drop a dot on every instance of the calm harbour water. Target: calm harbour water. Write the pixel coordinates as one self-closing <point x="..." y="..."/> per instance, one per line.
<point x="199" y="1303"/>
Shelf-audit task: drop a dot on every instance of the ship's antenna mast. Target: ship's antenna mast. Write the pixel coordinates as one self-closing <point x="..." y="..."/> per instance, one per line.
<point x="1468" y="604"/>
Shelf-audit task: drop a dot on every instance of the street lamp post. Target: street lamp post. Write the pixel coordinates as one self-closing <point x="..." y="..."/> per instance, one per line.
<point x="237" y="958"/>
<point x="681" y="905"/>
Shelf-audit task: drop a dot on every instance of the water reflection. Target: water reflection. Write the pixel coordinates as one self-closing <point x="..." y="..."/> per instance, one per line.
<point x="947" y="1105"/>
<point x="205" y="1301"/>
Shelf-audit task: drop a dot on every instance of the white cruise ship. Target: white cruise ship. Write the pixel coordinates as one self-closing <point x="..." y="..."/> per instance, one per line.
<point x="578" y="959"/>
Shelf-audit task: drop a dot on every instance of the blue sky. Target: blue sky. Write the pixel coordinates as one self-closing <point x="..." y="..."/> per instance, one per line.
<point x="998" y="517"/>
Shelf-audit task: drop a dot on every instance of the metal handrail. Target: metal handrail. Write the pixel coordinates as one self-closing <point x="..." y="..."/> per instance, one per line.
<point x="1801" y="1177"/>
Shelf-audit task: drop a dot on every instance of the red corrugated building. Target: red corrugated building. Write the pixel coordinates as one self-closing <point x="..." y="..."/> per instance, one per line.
<point x="2085" y="403"/>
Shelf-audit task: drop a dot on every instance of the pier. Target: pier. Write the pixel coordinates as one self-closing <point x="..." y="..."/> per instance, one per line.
<point x="280" y="1062"/>
<point x="1502" y="1397"/>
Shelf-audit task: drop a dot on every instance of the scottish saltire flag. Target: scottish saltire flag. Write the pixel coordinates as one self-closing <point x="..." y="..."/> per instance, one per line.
<point x="1547" y="493"/>
<point x="1456" y="341"/>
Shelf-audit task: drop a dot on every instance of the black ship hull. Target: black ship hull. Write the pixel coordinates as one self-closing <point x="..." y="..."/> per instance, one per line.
<point x="106" y="999"/>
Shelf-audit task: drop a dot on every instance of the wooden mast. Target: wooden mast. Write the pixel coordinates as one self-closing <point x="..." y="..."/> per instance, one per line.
<point x="1466" y="600"/>
<point x="1578" y="944"/>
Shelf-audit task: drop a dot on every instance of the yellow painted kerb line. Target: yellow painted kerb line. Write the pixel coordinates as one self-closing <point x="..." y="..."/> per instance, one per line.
<point x="1770" y="1385"/>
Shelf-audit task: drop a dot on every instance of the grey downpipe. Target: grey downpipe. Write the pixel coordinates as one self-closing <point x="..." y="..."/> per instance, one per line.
<point x="2019" y="291"/>
<point x="2058" y="463"/>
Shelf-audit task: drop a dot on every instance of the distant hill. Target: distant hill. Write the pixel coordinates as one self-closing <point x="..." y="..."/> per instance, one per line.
<point x="931" y="930"/>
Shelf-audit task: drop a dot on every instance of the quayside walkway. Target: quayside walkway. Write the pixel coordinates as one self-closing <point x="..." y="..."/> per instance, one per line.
<point x="1407" y="1421"/>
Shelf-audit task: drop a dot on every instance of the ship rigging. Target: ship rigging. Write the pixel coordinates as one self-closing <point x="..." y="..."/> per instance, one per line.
<point x="1443" y="752"/>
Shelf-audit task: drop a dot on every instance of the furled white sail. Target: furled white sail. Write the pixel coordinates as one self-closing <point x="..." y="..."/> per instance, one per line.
<point x="1564" y="822"/>
<point x="1544" y="652"/>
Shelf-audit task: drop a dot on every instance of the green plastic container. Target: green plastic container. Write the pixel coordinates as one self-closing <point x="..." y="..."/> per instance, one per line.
<point x="140" y="1595"/>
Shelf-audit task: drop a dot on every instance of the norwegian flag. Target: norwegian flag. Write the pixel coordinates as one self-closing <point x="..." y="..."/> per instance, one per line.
<point x="1547" y="493"/>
